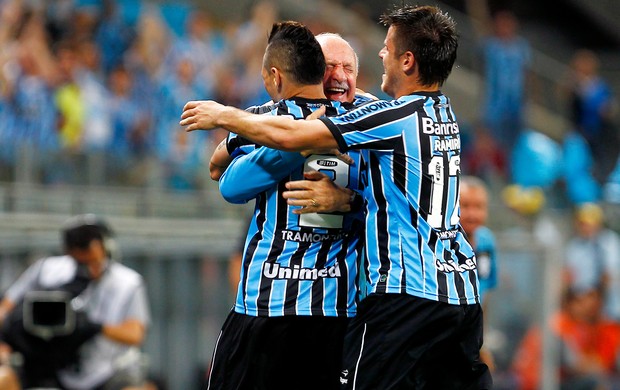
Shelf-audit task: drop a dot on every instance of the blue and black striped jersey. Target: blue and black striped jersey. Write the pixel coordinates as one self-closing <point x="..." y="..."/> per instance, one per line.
<point x="236" y="145"/>
<point x="363" y="99"/>
<point x="294" y="264"/>
<point x="414" y="242"/>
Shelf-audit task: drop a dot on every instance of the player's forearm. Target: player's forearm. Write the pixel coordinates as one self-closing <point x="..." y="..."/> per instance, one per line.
<point x="271" y="131"/>
<point x="215" y="171"/>
<point x="220" y="159"/>
<point x="277" y="132"/>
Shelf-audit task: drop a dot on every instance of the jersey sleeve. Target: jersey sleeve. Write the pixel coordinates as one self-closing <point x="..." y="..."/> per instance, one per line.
<point x="342" y="145"/>
<point x="237" y="145"/>
<point x="249" y="175"/>
<point x="370" y="126"/>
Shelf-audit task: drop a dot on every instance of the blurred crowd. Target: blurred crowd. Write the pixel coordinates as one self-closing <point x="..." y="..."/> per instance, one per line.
<point x="90" y="86"/>
<point x="580" y="337"/>
<point x="576" y="165"/>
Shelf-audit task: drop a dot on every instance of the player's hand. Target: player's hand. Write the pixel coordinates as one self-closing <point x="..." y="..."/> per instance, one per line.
<point x="316" y="114"/>
<point x="201" y="115"/>
<point x="332" y="152"/>
<point x="317" y="194"/>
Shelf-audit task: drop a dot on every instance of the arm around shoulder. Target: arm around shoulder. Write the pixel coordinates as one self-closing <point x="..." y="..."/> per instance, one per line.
<point x="278" y="132"/>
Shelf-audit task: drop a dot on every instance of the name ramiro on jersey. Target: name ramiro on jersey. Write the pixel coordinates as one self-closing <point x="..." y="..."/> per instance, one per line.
<point x="276" y="271"/>
<point x="446" y="144"/>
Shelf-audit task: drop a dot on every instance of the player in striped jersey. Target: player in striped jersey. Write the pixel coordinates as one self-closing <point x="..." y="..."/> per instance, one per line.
<point x="297" y="289"/>
<point x="339" y="84"/>
<point x="421" y="325"/>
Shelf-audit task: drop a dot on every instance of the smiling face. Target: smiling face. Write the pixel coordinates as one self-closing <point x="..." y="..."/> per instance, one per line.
<point x="339" y="82"/>
<point x="391" y="64"/>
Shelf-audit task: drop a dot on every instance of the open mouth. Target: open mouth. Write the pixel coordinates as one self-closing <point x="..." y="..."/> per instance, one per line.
<point x="335" y="92"/>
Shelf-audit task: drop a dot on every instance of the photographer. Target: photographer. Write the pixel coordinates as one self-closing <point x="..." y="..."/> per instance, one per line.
<point x="94" y="343"/>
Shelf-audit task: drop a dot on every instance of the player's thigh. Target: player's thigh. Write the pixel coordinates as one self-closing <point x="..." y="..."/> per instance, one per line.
<point x="303" y="353"/>
<point x="233" y="364"/>
<point x="390" y="338"/>
<point x="454" y="363"/>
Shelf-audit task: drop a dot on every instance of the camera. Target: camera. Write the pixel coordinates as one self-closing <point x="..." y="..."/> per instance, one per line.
<point x="48" y="314"/>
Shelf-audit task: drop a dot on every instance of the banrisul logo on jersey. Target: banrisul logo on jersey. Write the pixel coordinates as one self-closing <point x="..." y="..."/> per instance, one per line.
<point x="439" y="128"/>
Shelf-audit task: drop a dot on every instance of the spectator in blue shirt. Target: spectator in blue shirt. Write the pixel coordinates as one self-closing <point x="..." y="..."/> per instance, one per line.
<point x="505" y="57"/>
<point x="474" y="204"/>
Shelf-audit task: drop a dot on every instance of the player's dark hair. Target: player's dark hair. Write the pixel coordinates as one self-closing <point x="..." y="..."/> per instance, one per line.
<point x="430" y="34"/>
<point x="79" y="231"/>
<point x="293" y="48"/>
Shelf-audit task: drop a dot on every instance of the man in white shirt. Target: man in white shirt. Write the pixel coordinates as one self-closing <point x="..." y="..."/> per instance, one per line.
<point x="110" y="302"/>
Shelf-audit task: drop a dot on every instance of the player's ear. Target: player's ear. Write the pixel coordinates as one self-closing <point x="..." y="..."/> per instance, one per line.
<point x="408" y="62"/>
<point x="277" y="78"/>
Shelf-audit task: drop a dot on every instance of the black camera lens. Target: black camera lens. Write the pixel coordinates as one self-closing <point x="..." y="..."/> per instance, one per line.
<point x="49" y="313"/>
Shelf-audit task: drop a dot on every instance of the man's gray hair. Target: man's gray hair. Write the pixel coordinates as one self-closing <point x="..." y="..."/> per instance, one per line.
<point x="336" y="35"/>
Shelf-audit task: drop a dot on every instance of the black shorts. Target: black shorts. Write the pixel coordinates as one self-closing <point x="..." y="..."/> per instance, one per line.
<point x="399" y="341"/>
<point x="273" y="353"/>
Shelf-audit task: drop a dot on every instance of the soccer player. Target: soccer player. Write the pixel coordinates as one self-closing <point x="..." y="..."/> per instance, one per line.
<point x="339" y="84"/>
<point x="421" y="324"/>
<point x="297" y="290"/>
